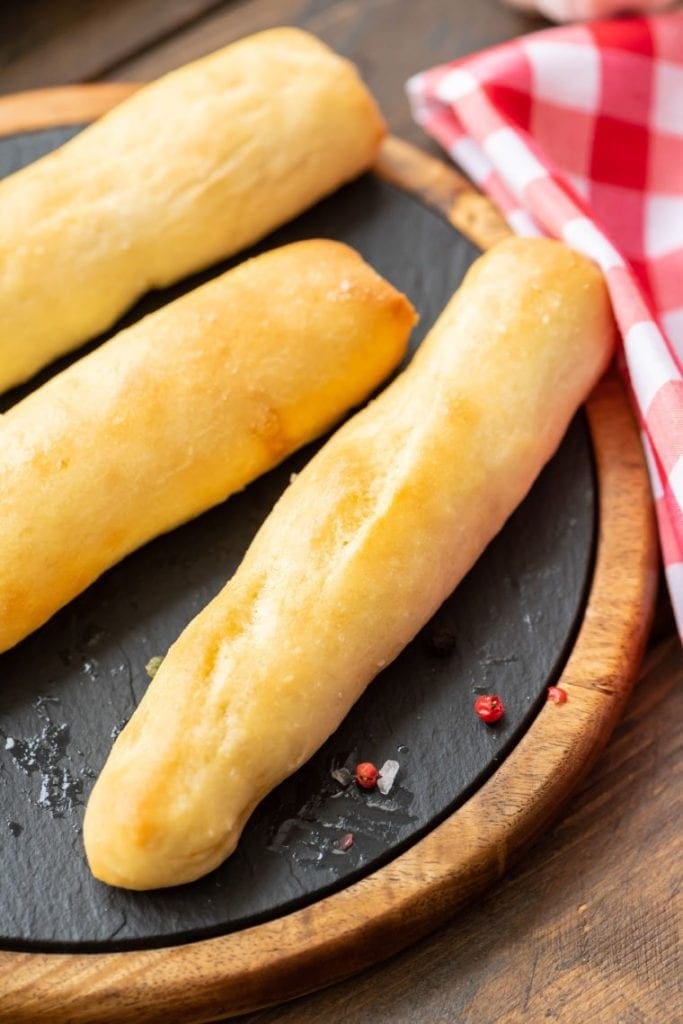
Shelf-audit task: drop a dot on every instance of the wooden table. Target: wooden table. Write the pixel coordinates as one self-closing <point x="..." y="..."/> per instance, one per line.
<point x="586" y="928"/>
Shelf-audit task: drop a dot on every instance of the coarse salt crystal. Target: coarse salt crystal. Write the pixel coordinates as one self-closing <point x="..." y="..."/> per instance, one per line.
<point x="342" y="775"/>
<point x="387" y="775"/>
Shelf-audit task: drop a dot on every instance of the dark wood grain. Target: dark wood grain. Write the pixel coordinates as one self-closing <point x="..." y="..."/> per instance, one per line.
<point x="581" y="930"/>
<point x="47" y="43"/>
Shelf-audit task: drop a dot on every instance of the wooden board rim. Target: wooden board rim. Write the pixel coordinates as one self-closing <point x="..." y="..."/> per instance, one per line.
<point x="419" y="889"/>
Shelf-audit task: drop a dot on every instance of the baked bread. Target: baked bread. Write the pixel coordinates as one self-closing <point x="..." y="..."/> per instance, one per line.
<point x="182" y="409"/>
<point x="354" y="559"/>
<point x="190" y="169"/>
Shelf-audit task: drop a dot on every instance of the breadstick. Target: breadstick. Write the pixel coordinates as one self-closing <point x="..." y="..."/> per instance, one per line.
<point x="354" y="559"/>
<point x="185" y="172"/>
<point x="180" y="410"/>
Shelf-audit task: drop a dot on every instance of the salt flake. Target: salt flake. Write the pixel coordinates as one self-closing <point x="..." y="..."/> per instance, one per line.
<point x="387" y="775"/>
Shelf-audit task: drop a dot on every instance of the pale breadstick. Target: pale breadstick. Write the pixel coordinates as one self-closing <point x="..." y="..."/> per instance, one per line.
<point x="356" y="556"/>
<point x="179" y="411"/>
<point x="188" y="170"/>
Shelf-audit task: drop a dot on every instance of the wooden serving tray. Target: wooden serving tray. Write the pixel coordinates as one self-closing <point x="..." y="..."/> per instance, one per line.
<point x="565" y="592"/>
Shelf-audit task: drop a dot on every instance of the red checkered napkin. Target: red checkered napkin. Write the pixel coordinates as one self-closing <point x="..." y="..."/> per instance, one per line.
<point x="577" y="133"/>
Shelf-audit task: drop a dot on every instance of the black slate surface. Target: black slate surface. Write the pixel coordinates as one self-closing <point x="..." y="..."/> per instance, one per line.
<point x="67" y="690"/>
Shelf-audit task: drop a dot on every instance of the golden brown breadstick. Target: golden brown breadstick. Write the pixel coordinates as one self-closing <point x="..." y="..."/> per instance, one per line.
<point x="357" y="555"/>
<point x="179" y="411"/>
<point x="188" y="170"/>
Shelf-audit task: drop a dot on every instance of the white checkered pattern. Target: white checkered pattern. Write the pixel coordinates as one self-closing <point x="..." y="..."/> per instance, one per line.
<point x="577" y="133"/>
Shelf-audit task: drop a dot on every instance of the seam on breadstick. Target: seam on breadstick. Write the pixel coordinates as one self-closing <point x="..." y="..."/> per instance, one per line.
<point x="355" y="557"/>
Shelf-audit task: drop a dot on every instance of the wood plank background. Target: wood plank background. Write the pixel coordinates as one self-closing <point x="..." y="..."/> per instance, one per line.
<point x="587" y="928"/>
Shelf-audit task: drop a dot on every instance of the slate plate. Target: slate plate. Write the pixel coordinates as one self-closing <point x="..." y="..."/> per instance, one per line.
<point x="70" y="687"/>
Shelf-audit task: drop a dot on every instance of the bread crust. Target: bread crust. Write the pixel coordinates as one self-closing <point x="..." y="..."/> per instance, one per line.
<point x="354" y="559"/>
<point x="188" y="170"/>
<point x="181" y="410"/>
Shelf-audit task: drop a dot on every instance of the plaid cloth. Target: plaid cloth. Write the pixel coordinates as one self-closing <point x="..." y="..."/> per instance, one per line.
<point x="577" y="132"/>
<point x="576" y="10"/>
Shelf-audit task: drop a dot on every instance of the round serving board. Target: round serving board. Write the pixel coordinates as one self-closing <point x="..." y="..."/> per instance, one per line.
<point x="565" y="592"/>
